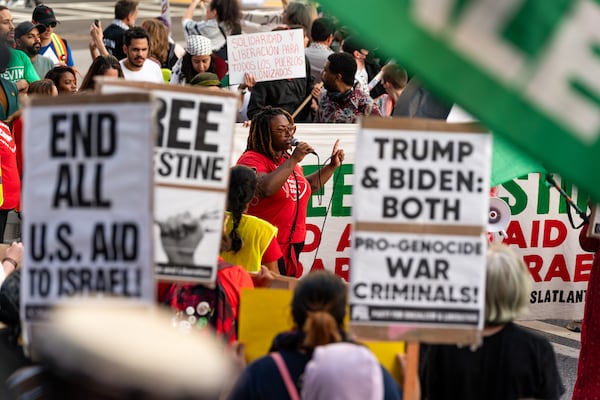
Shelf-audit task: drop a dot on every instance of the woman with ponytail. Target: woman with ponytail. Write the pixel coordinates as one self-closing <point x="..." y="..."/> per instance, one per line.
<point x="253" y="240"/>
<point x="318" y="310"/>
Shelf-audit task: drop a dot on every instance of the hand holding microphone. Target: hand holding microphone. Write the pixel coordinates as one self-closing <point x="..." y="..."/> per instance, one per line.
<point x="295" y="142"/>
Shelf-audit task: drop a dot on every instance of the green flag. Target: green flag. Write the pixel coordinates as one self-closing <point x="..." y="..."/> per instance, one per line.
<point x="528" y="69"/>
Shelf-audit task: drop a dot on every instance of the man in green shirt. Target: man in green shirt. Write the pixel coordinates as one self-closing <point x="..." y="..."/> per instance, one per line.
<point x="19" y="69"/>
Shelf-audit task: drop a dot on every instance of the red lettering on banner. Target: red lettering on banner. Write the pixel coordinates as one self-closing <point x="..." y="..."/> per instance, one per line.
<point x="316" y="238"/>
<point x="344" y="242"/>
<point x="534" y="263"/>
<point x="558" y="269"/>
<point x="317" y="264"/>
<point x="583" y="267"/>
<point x="342" y="268"/>
<point x="535" y="227"/>
<point x="550" y="226"/>
<point x="554" y="234"/>
<point x="515" y="235"/>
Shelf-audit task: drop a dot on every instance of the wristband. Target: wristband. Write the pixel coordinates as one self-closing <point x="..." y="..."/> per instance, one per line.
<point x="10" y="260"/>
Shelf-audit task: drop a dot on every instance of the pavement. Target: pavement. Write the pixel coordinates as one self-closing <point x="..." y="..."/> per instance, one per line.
<point x="76" y="18"/>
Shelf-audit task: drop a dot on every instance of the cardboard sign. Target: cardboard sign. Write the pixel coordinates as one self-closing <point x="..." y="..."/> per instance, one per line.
<point x="264" y="313"/>
<point x="420" y="208"/>
<point x="191" y="159"/>
<point x="87" y="197"/>
<point x="267" y="55"/>
<point x="526" y="69"/>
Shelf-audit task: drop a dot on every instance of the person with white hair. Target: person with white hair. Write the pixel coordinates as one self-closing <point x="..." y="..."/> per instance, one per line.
<point x="512" y="362"/>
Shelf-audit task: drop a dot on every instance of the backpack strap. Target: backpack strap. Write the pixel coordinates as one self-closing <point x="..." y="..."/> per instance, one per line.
<point x="285" y="375"/>
<point x="59" y="47"/>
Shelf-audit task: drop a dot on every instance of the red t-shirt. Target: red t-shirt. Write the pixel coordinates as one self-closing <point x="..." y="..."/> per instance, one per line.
<point x="280" y="208"/>
<point x="11" y="182"/>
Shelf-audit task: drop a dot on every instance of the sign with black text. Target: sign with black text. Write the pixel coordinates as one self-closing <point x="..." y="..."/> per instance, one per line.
<point x="421" y="207"/>
<point x="87" y="200"/>
<point x="192" y="157"/>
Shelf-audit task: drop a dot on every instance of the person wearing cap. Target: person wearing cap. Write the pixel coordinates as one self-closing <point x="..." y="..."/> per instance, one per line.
<point x="27" y="39"/>
<point x="19" y="68"/>
<point x="136" y="66"/>
<point x="198" y="58"/>
<point x="53" y="46"/>
<point x="207" y="80"/>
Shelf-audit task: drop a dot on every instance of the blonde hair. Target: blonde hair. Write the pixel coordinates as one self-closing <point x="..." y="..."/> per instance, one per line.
<point x="508" y="285"/>
<point x="159" y="39"/>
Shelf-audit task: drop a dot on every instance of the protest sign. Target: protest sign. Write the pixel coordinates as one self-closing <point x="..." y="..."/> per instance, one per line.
<point x="87" y="197"/>
<point x="191" y="160"/>
<point x="266" y="55"/>
<point x="557" y="263"/>
<point x="420" y="208"/>
<point x="264" y="313"/>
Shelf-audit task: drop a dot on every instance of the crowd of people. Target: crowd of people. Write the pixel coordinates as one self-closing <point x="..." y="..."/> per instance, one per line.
<point x="265" y="223"/>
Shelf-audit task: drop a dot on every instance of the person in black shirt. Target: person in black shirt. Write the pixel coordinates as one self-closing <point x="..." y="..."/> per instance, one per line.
<point x="512" y="363"/>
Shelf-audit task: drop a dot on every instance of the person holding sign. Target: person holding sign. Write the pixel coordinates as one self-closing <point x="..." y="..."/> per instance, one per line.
<point x="512" y="363"/>
<point x="318" y="309"/>
<point x="283" y="191"/>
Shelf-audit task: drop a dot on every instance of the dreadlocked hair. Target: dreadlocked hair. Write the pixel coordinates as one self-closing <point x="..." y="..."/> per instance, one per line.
<point x="319" y="307"/>
<point x="259" y="137"/>
<point x="242" y="185"/>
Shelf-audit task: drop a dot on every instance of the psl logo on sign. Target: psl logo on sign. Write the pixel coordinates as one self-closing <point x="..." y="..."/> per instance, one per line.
<point x="88" y="201"/>
<point x="526" y="69"/>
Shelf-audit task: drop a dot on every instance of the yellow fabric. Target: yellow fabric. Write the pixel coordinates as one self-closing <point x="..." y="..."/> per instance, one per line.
<point x="59" y="47"/>
<point x="256" y="235"/>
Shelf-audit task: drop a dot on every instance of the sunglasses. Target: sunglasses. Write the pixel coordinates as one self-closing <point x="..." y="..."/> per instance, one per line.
<point x="52" y="24"/>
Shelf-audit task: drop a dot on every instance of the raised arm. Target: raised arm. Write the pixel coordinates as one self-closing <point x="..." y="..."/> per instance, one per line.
<point x="337" y="157"/>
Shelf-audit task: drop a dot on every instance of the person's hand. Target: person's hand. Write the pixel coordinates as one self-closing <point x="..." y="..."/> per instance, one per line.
<point x="15" y="251"/>
<point x="337" y="155"/>
<point x="301" y="150"/>
<point x="22" y="85"/>
<point x="316" y="91"/>
<point x="180" y="235"/>
<point x="249" y="80"/>
<point x="96" y="34"/>
<point x="263" y="278"/>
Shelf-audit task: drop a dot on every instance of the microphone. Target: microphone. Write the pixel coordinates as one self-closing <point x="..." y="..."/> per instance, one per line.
<point x="296" y="142"/>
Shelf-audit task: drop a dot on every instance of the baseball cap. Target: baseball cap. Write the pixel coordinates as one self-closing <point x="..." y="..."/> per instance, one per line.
<point x="44" y="15"/>
<point x="25" y="27"/>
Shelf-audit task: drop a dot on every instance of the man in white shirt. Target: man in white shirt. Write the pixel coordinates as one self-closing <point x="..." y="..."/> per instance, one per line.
<point x="136" y="66"/>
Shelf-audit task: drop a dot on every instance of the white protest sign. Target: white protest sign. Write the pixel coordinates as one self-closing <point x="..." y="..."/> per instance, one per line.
<point x="420" y="207"/>
<point x="87" y="200"/>
<point x="267" y="55"/>
<point x="192" y="156"/>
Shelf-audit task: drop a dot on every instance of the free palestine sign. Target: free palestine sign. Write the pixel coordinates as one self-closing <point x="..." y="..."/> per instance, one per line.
<point x="528" y="69"/>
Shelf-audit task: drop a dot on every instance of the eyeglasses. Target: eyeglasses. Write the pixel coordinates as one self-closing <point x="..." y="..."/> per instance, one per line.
<point x="52" y="24"/>
<point x="289" y="129"/>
